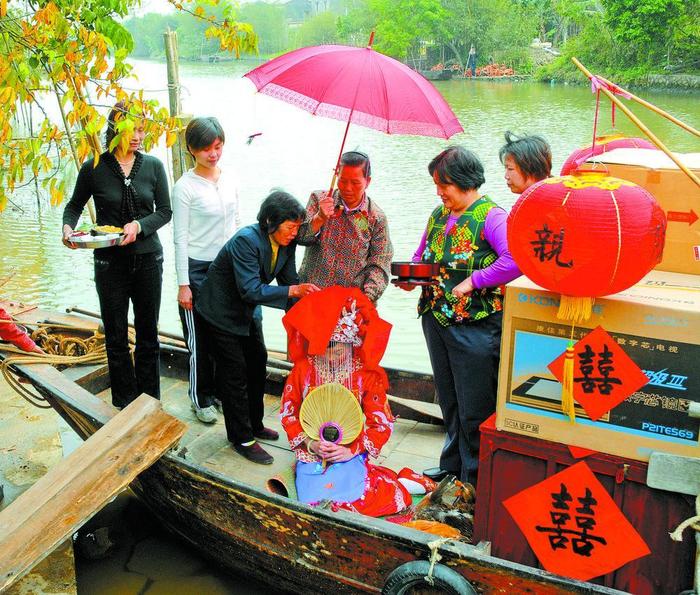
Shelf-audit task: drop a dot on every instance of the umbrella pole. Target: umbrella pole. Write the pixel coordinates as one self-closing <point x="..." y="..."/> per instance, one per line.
<point x="347" y="127"/>
<point x="340" y="154"/>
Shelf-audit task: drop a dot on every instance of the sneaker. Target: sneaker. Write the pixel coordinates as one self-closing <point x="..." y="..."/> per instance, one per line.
<point x="267" y="434"/>
<point x="218" y="405"/>
<point x="207" y="415"/>
<point x="254" y="453"/>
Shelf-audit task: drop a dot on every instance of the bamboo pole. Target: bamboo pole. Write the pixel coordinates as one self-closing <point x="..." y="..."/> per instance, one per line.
<point x="654" y="108"/>
<point x="637" y="122"/>
<point x="181" y="159"/>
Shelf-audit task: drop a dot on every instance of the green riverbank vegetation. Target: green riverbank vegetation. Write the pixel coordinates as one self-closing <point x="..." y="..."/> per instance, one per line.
<point x="640" y="42"/>
<point x="627" y="40"/>
<point x="64" y="60"/>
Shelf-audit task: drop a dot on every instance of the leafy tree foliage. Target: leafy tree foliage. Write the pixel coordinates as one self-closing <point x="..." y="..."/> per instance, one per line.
<point x="269" y="22"/>
<point x="500" y="30"/>
<point x="62" y="67"/>
<point x="627" y="39"/>
<point x="318" y="30"/>
<point x="400" y="25"/>
<point x="651" y="31"/>
<point x="407" y="28"/>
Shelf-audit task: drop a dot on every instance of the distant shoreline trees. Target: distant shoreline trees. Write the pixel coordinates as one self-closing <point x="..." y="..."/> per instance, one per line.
<point x="629" y="38"/>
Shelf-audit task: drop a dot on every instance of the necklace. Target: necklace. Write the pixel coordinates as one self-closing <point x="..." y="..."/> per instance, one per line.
<point x="129" y="162"/>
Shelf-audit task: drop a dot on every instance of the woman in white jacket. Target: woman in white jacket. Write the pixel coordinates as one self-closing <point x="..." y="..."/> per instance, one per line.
<point x="205" y="216"/>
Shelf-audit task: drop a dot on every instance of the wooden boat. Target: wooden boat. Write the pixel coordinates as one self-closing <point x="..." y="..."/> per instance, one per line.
<point x="437" y="75"/>
<point x="217" y="502"/>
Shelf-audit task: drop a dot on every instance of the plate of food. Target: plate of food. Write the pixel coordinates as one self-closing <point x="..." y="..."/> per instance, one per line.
<point x="99" y="236"/>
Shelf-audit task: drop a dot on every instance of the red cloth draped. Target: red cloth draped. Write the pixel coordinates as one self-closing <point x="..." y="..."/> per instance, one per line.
<point x="311" y="321"/>
<point x="15" y="335"/>
<point x="310" y="324"/>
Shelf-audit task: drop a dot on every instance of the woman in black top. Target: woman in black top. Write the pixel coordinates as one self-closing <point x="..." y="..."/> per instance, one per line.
<point x="130" y="190"/>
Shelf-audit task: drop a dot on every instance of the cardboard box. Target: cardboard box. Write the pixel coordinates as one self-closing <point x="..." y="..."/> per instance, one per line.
<point x="656" y="322"/>
<point x="677" y="194"/>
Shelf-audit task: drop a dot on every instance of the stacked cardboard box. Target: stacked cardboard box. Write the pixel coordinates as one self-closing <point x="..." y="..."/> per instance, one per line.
<point x="677" y="194"/>
<point x="656" y="322"/>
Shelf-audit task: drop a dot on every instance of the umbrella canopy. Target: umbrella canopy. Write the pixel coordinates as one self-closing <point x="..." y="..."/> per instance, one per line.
<point x="357" y="85"/>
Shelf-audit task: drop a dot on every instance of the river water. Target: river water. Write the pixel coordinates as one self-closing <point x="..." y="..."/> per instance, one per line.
<point x="297" y="152"/>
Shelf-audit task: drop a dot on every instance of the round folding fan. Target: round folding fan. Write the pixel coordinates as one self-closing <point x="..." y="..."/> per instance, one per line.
<point x="331" y="412"/>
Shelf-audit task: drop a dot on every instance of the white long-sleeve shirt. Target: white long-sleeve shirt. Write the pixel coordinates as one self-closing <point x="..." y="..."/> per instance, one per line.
<point x="205" y="216"/>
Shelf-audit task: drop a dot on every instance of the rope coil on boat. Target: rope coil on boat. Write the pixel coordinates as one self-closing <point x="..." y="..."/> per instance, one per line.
<point x="692" y="522"/>
<point x="59" y="350"/>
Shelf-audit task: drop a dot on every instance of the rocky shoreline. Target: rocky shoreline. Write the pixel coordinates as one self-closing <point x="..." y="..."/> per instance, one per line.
<point x="673" y="82"/>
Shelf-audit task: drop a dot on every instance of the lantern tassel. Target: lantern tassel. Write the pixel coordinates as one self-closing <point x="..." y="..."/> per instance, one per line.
<point x="575" y="309"/>
<point x="567" y="391"/>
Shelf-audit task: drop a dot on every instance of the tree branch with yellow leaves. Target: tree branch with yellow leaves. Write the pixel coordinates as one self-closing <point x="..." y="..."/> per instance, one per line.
<point x="70" y="50"/>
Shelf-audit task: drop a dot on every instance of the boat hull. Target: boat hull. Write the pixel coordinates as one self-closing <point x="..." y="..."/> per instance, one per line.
<point x="282" y="542"/>
<point x="279" y="541"/>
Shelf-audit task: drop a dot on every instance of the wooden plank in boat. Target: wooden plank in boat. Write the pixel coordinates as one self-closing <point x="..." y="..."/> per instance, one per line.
<point x="229" y="463"/>
<point x="75" y="489"/>
<point x="93" y="378"/>
<point x="61" y="386"/>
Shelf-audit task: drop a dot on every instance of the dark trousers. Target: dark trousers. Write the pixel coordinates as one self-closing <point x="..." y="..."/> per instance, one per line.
<point x="120" y="278"/>
<point x="241" y="369"/>
<point x="202" y="387"/>
<point x="465" y="361"/>
<point x="471" y="63"/>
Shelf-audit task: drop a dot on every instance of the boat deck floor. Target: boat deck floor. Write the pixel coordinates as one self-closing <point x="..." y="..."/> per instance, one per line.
<point x="412" y="444"/>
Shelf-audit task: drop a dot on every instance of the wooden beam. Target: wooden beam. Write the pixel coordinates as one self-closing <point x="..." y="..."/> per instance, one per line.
<point x="674" y="473"/>
<point x="430" y="409"/>
<point x="82" y="483"/>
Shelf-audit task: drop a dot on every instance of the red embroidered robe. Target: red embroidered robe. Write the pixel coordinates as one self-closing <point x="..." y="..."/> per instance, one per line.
<point x="383" y="493"/>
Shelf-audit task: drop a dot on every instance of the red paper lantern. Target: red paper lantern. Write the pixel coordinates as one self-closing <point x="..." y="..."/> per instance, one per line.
<point x="586" y="235"/>
<point x="602" y="145"/>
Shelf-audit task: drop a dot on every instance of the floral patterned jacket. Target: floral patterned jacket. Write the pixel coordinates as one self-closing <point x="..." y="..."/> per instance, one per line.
<point x="460" y="252"/>
<point x="352" y="249"/>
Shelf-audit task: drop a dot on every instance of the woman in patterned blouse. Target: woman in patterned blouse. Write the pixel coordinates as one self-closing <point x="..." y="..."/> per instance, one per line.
<point x="461" y="314"/>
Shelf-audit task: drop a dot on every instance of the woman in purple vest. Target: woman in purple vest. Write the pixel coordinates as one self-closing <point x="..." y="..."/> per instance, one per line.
<point x="461" y="314"/>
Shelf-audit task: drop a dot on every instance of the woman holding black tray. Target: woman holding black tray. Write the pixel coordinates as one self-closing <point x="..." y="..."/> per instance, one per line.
<point x="461" y="312"/>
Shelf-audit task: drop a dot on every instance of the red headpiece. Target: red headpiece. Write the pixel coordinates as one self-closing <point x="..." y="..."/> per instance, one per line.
<point x="342" y="314"/>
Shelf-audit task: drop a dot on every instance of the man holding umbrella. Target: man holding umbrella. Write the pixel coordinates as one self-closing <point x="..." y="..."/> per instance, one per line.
<point x="346" y="234"/>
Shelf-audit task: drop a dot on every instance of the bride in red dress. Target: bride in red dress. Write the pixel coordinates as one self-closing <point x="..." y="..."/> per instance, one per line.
<point x="336" y="336"/>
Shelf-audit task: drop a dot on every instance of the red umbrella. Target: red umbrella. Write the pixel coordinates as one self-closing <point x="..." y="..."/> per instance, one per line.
<point x="357" y="85"/>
